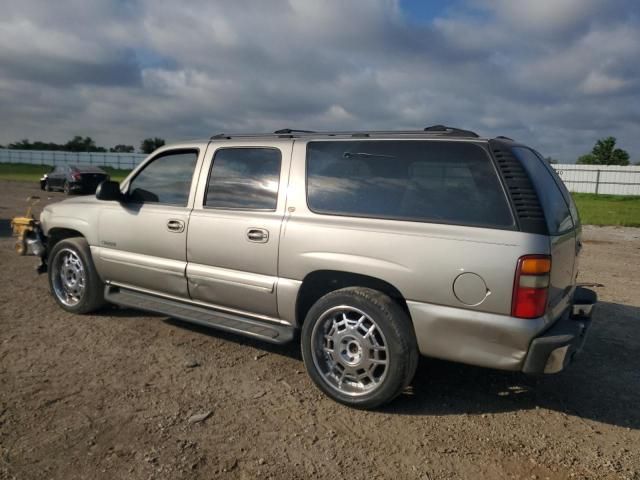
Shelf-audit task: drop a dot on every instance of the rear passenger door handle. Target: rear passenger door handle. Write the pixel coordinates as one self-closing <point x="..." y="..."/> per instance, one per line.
<point x="175" y="226"/>
<point x="259" y="235"/>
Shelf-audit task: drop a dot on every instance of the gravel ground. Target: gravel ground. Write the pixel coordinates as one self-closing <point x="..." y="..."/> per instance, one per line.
<point x="115" y="395"/>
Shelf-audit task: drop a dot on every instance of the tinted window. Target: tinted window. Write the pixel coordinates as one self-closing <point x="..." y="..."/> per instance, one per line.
<point x="443" y="182"/>
<point x="245" y="178"/>
<point x="563" y="188"/>
<point x="556" y="210"/>
<point x="167" y="179"/>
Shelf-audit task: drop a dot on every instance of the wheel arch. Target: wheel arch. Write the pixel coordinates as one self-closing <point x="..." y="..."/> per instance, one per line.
<point x="56" y="234"/>
<point x="318" y="283"/>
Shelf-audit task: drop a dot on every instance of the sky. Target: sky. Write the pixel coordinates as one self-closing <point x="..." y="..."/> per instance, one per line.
<point x="554" y="74"/>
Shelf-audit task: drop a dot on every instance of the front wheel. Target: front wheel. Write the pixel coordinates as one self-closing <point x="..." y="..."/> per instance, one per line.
<point x="73" y="279"/>
<point x="66" y="188"/>
<point x="359" y="347"/>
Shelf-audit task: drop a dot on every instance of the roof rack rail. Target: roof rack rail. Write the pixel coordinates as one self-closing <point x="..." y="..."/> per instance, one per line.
<point x="439" y="130"/>
<point x="459" y="132"/>
<point x="291" y="130"/>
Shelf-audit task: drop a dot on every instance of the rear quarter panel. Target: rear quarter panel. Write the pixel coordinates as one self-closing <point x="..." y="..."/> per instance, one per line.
<point x="422" y="260"/>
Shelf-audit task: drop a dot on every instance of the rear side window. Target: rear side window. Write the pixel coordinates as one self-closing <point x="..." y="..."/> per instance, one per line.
<point x="244" y="178"/>
<point x="556" y="209"/>
<point x="440" y="182"/>
<point x="563" y="189"/>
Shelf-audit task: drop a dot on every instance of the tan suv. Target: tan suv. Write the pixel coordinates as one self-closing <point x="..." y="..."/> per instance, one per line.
<point x="375" y="246"/>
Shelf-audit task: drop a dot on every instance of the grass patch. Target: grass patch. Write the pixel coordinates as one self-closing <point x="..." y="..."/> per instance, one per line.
<point x="608" y="209"/>
<point x="31" y="173"/>
<point x="22" y="172"/>
<point x="115" y="174"/>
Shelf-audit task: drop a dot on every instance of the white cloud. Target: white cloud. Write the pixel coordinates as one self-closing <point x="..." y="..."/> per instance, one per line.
<point x="599" y="83"/>
<point x="546" y="15"/>
<point x="557" y="74"/>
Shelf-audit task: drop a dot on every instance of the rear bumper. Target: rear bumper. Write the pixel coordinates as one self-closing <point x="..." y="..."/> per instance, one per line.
<point x="83" y="187"/>
<point x="500" y="341"/>
<point x="552" y="351"/>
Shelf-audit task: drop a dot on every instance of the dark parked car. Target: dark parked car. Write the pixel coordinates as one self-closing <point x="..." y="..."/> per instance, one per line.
<point x="73" y="178"/>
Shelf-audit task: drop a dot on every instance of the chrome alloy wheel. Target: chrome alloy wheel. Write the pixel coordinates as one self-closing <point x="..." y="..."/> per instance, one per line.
<point x="69" y="277"/>
<point x="349" y="351"/>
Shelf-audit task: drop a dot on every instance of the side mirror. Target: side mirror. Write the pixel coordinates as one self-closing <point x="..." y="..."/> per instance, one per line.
<point x="108" y="190"/>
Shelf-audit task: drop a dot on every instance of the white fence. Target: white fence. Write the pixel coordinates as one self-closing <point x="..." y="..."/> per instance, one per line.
<point x="125" y="161"/>
<point x="600" y="179"/>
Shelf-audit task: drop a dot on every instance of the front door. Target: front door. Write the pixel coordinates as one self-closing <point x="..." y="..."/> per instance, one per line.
<point x="234" y="229"/>
<point x="142" y="240"/>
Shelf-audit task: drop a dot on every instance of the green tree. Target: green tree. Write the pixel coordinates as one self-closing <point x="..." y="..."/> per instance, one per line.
<point x="605" y="153"/>
<point x="80" y="144"/>
<point x="23" y="144"/>
<point x="122" y="149"/>
<point x="148" y="145"/>
<point x="76" y="144"/>
<point x="587" y="159"/>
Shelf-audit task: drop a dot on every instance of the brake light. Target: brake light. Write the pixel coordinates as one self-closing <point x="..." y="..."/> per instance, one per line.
<point x="531" y="286"/>
<point x="76" y="176"/>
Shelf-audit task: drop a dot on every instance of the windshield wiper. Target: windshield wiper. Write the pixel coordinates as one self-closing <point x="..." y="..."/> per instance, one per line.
<point x="365" y="155"/>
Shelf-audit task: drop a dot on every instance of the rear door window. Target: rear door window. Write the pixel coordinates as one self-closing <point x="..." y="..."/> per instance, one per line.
<point x="556" y="209"/>
<point x="244" y="179"/>
<point x="415" y="180"/>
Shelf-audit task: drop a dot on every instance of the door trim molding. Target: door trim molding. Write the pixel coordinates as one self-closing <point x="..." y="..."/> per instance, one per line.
<point x="149" y="262"/>
<point x="202" y="304"/>
<point x="210" y="274"/>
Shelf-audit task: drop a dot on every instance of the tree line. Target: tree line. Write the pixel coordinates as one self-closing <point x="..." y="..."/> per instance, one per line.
<point x="87" y="144"/>
<point x="604" y="151"/>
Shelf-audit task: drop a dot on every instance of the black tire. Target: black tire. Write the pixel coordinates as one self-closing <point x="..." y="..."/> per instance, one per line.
<point x="47" y="188"/>
<point x="66" y="188"/>
<point x="92" y="297"/>
<point x="393" y="328"/>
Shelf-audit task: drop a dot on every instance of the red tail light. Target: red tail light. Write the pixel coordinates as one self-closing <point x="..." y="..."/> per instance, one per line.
<point x="531" y="286"/>
<point x="76" y="176"/>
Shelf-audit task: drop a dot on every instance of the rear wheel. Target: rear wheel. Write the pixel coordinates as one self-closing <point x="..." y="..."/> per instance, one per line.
<point x="359" y="347"/>
<point x="73" y="279"/>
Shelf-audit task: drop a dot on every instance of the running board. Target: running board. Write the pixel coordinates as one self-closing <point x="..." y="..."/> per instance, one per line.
<point x="228" y="322"/>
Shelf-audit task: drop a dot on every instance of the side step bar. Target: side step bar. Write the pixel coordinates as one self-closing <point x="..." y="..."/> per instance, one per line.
<point x="272" y="333"/>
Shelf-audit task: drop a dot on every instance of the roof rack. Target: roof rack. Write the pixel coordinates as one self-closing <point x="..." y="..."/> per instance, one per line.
<point x="438" y="130"/>
<point x="459" y="132"/>
<point x="291" y="130"/>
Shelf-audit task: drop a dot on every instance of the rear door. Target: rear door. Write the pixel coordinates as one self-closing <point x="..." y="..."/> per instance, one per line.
<point x="234" y="228"/>
<point x="562" y="226"/>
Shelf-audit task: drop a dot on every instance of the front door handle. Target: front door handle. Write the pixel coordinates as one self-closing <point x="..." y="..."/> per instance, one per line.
<point x="175" y="226"/>
<point x="259" y="235"/>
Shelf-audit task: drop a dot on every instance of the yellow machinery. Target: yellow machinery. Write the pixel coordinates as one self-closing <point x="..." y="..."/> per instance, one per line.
<point x="26" y="230"/>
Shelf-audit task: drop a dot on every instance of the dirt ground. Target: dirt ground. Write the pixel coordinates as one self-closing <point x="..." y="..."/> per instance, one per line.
<point x="111" y="395"/>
